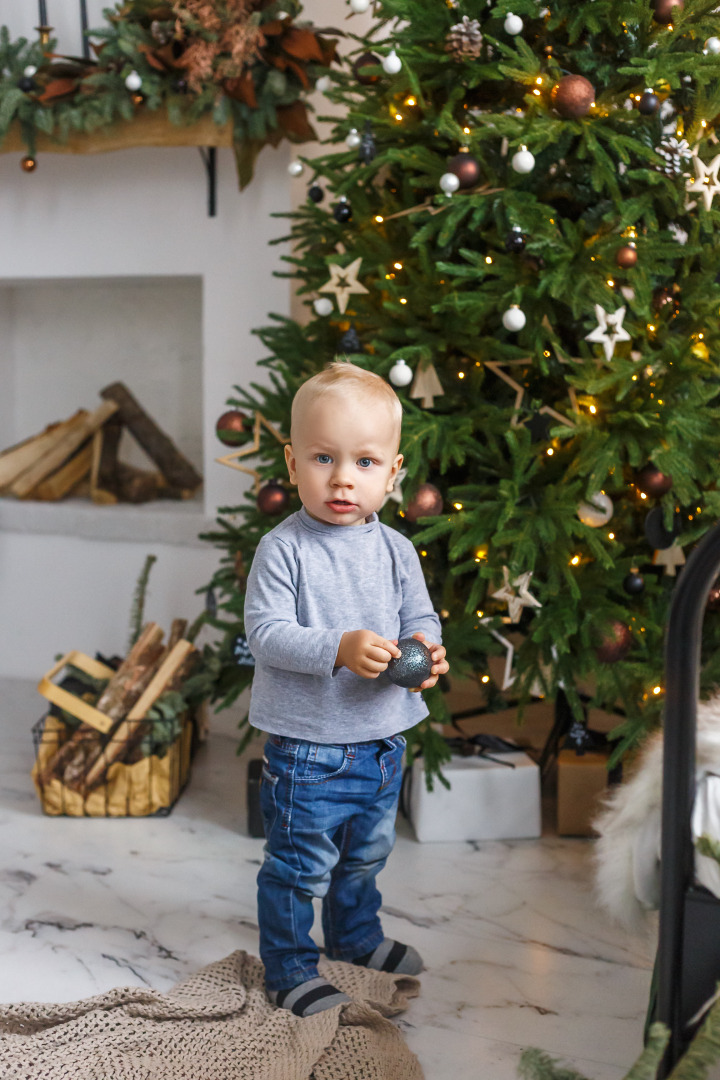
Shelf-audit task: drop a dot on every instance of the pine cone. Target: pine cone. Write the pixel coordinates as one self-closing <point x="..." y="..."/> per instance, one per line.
<point x="464" y="39"/>
<point x="677" y="154"/>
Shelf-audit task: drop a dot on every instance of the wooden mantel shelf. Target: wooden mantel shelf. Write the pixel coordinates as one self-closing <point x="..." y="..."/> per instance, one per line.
<point x="146" y="129"/>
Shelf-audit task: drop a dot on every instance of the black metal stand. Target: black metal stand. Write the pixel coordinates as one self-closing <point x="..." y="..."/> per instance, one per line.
<point x="682" y="983"/>
<point x="209" y="157"/>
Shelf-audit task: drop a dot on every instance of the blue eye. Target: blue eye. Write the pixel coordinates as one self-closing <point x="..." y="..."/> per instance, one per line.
<point x="318" y="456"/>
<point x="369" y="462"/>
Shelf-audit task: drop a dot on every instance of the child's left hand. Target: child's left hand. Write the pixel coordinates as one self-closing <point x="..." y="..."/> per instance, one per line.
<point x="440" y="664"/>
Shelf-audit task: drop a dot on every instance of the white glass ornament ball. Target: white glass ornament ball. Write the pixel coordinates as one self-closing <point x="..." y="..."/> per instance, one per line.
<point x="133" y="81"/>
<point x="713" y="45"/>
<point x="295" y="168"/>
<point x="401" y="373"/>
<point x="523" y="161"/>
<point x="29" y="71"/>
<point x="449" y="182"/>
<point x="353" y="139"/>
<point x="513" y="24"/>
<point x="323" y="305"/>
<point x="391" y="63"/>
<point x="358" y="6"/>
<point x="597" y="510"/>
<point x="323" y="84"/>
<point x="514" y="319"/>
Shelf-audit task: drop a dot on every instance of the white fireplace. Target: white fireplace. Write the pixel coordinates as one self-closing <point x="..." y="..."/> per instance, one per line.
<point x="111" y="269"/>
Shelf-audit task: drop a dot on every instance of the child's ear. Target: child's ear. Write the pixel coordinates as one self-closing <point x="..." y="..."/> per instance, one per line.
<point x="394" y="471"/>
<point x="290" y="462"/>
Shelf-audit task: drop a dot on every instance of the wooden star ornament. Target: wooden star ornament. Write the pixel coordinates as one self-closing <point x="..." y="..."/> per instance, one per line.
<point x="706" y="178"/>
<point x="516" y="601"/>
<point x="609" y="330"/>
<point x="343" y="283"/>
<point x="671" y="558"/>
<point x="252" y="448"/>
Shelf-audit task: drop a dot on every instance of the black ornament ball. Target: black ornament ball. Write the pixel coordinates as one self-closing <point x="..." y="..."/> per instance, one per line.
<point x="664" y="11"/>
<point x="649" y="103"/>
<point x="466" y="168"/>
<point x="272" y="498"/>
<point x="360" y="69"/>
<point x="626" y="256"/>
<point x="515" y="241"/>
<point x="342" y="212"/>
<point x="615" y="644"/>
<point x="233" y="428"/>
<point x="572" y="96"/>
<point x="26" y="84"/>
<point x="427" y="502"/>
<point x="368" y="146"/>
<point x="413" y="667"/>
<point x="350" y="342"/>
<point x="634" y="583"/>
<point x="241" y="652"/>
<point x="653" y="482"/>
<point x="656" y="534"/>
<point x="315" y="193"/>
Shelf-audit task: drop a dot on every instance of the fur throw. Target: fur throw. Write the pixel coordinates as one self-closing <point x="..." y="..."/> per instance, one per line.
<point x="627" y="853"/>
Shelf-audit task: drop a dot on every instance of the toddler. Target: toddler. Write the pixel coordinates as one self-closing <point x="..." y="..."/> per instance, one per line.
<point x="330" y="592"/>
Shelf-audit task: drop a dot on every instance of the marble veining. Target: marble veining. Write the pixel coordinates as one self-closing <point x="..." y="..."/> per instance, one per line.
<point x="516" y="953"/>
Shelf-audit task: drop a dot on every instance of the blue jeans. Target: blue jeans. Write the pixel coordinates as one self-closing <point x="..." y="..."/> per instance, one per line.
<point x="329" y="816"/>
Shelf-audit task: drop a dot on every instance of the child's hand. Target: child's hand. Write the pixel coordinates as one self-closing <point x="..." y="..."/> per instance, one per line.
<point x="440" y="664"/>
<point x="365" y="653"/>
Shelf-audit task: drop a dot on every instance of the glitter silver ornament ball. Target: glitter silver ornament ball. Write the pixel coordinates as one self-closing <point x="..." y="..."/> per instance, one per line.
<point x="413" y="667"/>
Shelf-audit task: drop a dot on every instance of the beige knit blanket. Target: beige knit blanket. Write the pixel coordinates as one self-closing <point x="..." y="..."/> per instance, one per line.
<point x="215" y="1025"/>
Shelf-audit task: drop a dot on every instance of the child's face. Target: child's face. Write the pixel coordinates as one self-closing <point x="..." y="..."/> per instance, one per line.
<point x="343" y="458"/>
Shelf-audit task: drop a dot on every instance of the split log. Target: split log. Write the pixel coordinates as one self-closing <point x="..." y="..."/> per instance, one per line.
<point x="62" y="450"/>
<point x="174" y="466"/>
<point x="129" y="730"/>
<point x="17" y="459"/>
<point x="121" y="692"/>
<point x="63" y="481"/>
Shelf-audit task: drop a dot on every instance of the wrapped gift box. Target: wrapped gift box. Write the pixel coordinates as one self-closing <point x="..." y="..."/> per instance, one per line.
<point x="582" y="780"/>
<point x="488" y="799"/>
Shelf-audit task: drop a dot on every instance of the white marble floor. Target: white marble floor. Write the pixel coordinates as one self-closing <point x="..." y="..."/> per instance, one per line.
<point x="516" y="953"/>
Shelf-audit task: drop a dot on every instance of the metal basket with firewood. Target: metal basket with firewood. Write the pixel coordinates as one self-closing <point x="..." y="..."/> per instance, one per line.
<point x="117" y="741"/>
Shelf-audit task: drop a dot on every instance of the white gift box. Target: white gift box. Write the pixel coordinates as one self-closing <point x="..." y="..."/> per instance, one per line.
<point x="487" y="800"/>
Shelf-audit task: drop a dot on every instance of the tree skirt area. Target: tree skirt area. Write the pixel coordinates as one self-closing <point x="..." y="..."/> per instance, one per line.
<point x="215" y="1025"/>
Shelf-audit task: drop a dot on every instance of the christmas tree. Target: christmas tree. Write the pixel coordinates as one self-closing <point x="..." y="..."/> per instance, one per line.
<point x="513" y="223"/>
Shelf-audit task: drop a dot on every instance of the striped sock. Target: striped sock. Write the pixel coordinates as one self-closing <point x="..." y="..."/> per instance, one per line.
<point x="392" y="956"/>
<point x="309" y="997"/>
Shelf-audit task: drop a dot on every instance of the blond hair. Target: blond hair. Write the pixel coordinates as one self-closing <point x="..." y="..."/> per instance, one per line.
<point x="342" y="377"/>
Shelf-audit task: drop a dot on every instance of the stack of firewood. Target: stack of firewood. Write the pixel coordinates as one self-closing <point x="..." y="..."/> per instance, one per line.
<point x="79" y="456"/>
<point x="150" y="669"/>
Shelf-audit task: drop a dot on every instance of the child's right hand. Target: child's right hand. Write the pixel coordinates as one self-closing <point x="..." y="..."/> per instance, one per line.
<point x="365" y="653"/>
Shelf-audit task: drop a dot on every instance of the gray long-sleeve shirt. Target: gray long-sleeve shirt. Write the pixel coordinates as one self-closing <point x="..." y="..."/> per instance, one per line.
<point x="310" y="583"/>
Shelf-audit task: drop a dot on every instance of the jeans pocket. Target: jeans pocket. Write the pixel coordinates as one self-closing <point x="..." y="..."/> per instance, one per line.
<point x="319" y="762"/>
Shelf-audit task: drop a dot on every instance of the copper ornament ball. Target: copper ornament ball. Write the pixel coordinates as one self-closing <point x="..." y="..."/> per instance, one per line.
<point x="615" y="643"/>
<point x="664" y="11"/>
<point x="233" y="428"/>
<point x="364" y="61"/>
<point x="653" y="482"/>
<point x="466" y="168"/>
<point x="626" y="256"/>
<point x="573" y="96"/>
<point x="28" y="164"/>
<point x="272" y="498"/>
<point x="427" y="502"/>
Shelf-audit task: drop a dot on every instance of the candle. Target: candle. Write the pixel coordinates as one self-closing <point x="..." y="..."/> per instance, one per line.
<point x="43" y="13"/>
<point x="83" y="29"/>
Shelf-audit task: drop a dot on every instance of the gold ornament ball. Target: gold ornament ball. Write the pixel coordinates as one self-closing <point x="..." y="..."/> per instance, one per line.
<point x="28" y="164"/>
<point x="573" y="96"/>
<point x="428" y="502"/>
<point x="626" y="256"/>
<point x="700" y="350"/>
<point x="664" y="11"/>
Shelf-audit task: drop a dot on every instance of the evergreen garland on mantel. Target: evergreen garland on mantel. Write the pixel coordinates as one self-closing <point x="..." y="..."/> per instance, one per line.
<point x="244" y="62"/>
